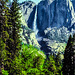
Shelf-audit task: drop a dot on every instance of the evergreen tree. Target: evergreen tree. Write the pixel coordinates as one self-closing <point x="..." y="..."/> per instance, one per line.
<point x="58" y="63"/>
<point x="72" y="67"/>
<point x="10" y="25"/>
<point x="14" y="43"/>
<point x="16" y="26"/>
<point x="68" y="63"/>
<point x="74" y="53"/>
<point x="4" y="36"/>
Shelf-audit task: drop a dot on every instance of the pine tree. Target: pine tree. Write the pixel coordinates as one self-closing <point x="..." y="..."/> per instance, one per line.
<point x="13" y="43"/>
<point x="4" y="36"/>
<point x="74" y="53"/>
<point x="68" y="63"/>
<point x="72" y="67"/>
<point x="16" y="26"/>
<point x="10" y="42"/>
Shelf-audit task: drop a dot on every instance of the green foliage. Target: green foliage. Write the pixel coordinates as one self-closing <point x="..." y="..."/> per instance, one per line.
<point x="58" y="61"/>
<point x="29" y="61"/>
<point x="50" y="65"/>
<point x="4" y="72"/>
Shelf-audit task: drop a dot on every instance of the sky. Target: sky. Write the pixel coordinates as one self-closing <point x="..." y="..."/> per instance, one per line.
<point x="36" y="1"/>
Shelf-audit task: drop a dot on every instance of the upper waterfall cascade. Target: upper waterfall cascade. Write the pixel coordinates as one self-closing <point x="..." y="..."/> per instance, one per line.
<point x="35" y="29"/>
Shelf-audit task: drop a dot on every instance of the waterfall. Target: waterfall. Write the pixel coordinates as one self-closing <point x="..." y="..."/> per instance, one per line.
<point x="35" y="29"/>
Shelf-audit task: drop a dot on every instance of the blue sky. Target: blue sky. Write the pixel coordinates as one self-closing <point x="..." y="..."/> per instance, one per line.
<point x="36" y="1"/>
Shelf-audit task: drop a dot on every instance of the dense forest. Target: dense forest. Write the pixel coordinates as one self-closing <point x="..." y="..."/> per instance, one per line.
<point x="17" y="58"/>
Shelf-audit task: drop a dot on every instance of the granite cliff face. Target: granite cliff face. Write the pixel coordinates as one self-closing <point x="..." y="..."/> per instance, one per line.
<point x="28" y="10"/>
<point x="55" y="13"/>
<point x="54" y="20"/>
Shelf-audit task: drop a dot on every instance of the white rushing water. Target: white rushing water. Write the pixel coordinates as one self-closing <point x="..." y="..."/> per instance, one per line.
<point x="35" y="29"/>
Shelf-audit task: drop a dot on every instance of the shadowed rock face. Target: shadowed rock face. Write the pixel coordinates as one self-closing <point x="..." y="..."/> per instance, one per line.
<point x="56" y="13"/>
